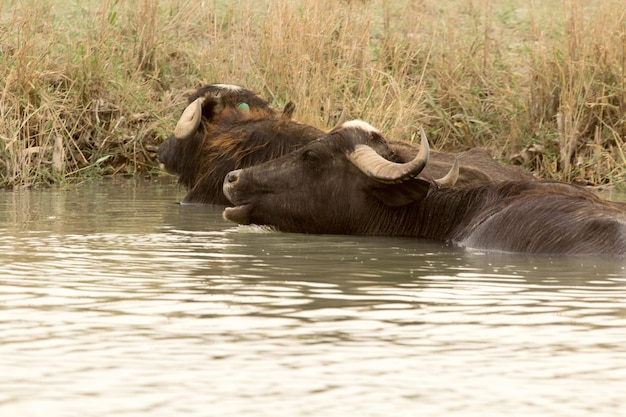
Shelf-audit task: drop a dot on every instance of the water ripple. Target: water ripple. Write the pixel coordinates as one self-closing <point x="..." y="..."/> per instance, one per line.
<point x="143" y="307"/>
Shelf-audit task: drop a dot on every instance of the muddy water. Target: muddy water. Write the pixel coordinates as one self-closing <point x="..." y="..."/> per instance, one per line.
<point x="114" y="300"/>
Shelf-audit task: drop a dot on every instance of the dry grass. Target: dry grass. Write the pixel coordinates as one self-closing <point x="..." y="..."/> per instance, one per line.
<point x="93" y="90"/>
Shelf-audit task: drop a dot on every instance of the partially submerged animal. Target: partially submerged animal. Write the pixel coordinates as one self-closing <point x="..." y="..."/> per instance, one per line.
<point x="344" y="183"/>
<point x="226" y="127"/>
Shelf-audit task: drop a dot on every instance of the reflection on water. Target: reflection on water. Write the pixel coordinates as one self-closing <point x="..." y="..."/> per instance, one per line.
<point x="117" y="301"/>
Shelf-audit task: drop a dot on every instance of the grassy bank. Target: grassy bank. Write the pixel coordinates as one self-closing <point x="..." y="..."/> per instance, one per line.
<point x="94" y="89"/>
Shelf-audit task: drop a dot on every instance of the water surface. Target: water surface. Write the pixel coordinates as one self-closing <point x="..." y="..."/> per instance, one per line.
<point x="115" y="300"/>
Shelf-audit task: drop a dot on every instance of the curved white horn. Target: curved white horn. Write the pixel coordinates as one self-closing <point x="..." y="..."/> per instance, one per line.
<point x="451" y="177"/>
<point x="376" y="167"/>
<point x="189" y="120"/>
<point x="342" y="118"/>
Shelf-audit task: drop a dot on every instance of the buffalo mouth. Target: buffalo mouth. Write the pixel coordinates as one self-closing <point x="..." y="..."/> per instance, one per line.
<point x="238" y="214"/>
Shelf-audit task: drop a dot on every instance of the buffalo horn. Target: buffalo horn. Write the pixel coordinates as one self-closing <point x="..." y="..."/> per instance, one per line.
<point x="376" y="167"/>
<point x="450" y="178"/>
<point x="342" y="119"/>
<point x="189" y="120"/>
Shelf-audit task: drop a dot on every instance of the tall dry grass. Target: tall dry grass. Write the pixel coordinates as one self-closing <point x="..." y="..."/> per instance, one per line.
<point x="93" y="89"/>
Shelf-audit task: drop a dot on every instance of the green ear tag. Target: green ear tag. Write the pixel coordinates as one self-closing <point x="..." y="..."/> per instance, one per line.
<point x="243" y="108"/>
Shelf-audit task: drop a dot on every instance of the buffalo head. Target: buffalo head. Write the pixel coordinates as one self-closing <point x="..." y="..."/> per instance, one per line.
<point x="331" y="184"/>
<point x="211" y="104"/>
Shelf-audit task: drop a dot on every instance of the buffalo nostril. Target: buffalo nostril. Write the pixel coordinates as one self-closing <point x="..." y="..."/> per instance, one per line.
<point x="232" y="177"/>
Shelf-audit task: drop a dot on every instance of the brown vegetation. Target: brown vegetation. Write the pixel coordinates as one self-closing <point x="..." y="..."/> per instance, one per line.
<point x="94" y="89"/>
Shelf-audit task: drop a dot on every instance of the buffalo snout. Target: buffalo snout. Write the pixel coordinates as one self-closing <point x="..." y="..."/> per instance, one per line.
<point x="232" y="177"/>
<point x="230" y="181"/>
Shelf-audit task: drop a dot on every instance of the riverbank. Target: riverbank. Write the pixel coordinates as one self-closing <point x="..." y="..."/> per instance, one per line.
<point x="91" y="90"/>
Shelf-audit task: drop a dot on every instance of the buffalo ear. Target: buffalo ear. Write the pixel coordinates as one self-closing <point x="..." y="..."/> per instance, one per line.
<point x="401" y="194"/>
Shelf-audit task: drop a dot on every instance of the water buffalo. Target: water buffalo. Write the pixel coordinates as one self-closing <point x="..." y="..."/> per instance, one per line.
<point x="226" y="127"/>
<point x="343" y="184"/>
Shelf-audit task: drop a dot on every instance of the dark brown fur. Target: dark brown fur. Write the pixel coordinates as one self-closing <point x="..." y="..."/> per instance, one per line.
<point x="317" y="190"/>
<point x="238" y="146"/>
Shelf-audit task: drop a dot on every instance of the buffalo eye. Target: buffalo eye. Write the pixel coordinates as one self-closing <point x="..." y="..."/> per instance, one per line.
<point x="309" y="156"/>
